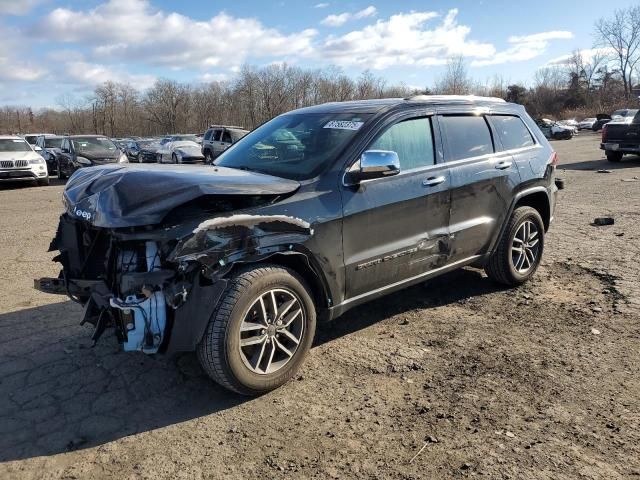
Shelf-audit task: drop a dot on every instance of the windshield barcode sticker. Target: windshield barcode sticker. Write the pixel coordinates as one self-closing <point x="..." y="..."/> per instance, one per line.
<point x="344" y="125"/>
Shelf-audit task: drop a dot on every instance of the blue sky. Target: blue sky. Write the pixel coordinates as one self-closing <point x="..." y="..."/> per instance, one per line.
<point x="52" y="48"/>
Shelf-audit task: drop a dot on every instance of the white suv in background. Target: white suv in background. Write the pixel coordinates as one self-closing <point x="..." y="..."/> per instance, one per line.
<point x="218" y="138"/>
<point x="20" y="162"/>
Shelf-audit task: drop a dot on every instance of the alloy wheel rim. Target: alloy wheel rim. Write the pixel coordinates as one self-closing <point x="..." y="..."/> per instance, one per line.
<point x="525" y="247"/>
<point x="271" y="331"/>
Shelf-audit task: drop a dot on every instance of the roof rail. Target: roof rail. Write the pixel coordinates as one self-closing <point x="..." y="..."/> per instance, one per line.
<point x="226" y="126"/>
<point x="448" y="98"/>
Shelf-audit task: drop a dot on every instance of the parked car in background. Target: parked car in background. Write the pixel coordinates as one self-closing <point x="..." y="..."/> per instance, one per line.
<point x="238" y="261"/>
<point x="142" y="150"/>
<point x="182" y="137"/>
<point x="621" y="136"/>
<point x="49" y="146"/>
<point x="20" y="162"/>
<point x="81" y="151"/>
<point x="180" y="151"/>
<point x="32" y="137"/>
<point x="571" y="122"/>
<point x="554" y="130"/>
<point x="121" y="143"/>
<point x="601" y="120"/>
<point x="218" y="138"/>
<point x="587" y="123"/>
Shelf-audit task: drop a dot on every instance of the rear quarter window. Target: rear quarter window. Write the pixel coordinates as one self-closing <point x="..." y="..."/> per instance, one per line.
<point x="512" y="132"/>
<point x="466" y="136"/>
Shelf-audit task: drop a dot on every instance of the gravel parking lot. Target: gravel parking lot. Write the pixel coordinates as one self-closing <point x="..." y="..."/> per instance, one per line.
<point x="453" y="378"/>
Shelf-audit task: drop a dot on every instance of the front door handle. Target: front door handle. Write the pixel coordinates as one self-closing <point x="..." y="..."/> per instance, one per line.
<point x="433" y="181"/>
<point x="503" y="165"/>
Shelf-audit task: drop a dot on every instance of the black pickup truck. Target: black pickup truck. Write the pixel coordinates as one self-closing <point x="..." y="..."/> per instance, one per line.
<point x="621" y="136"/>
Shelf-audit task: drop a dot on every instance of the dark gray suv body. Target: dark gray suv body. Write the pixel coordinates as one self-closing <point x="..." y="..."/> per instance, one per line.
<point x="313" y="213"/>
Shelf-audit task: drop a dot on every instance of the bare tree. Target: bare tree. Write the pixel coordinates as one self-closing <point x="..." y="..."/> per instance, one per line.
<point x="621" y="34"/>
<point x="455" y="80"/>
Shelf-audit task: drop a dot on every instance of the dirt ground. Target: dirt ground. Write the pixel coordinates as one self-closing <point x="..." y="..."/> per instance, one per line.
<point x="453" y="378"/>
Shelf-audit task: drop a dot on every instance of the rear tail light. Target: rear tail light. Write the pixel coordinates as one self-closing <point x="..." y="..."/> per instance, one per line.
<point x="554" y="159"/>
<point x="604" y="132"/>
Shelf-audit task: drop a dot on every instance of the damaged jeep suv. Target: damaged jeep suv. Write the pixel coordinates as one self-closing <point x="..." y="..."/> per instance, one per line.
<point x="309" y="215"/>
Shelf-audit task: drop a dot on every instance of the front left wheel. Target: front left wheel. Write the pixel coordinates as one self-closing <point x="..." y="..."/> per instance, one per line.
<point x="260" y="332"/>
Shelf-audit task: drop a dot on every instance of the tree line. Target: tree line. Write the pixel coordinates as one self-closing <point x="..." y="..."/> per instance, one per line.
<point x="580" y="86"/>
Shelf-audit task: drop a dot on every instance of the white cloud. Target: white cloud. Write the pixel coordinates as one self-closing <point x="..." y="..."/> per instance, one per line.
<point x="587" y="55"/>
<point x="405" y="39"/>
<point x="17" y="7"/>
<point x="15" y="64"/>
<point x="337" y="20"/>
<point x="321" y="5"/>
<point x="135" y="29"/>
<point x="92" y="74"/>
<point x="213" y="77"/>
<point x="524" y="48"/>
<point x="370" y="11"/>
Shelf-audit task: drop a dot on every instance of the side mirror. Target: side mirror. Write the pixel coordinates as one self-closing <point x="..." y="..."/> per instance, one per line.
<point x="37" y="148"/>
<point x="376" y="164"/>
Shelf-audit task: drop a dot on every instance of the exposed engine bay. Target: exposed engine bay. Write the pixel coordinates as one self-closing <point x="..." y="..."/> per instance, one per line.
<point x="157" y="285"/>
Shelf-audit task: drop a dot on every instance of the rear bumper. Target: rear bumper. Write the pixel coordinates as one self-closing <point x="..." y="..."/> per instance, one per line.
<point x="623" y="147"/>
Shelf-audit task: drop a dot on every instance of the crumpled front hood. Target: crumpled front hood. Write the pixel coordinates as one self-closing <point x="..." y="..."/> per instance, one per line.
<point x="115" y="196"/>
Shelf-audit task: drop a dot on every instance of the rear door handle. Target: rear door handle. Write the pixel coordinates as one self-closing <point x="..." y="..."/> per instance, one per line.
<point x="503" y="165"/>
<point x="433" y="181"/>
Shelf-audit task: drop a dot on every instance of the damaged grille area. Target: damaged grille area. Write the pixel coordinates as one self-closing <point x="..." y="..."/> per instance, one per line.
<point x="120" y="283"/>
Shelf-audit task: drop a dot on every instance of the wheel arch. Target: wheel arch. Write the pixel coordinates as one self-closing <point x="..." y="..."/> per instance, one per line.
<point x="303" y="265"/>
<point x="539" y="200"/>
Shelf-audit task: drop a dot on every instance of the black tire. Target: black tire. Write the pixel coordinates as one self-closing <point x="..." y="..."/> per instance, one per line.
<point x="208" y="158"/>
<point x="614" y="156"/>
<point x="500" y="266"/>
<point x="219" y="352"/>
<point x="43" y="182"/>
<point x="174" y="159"/>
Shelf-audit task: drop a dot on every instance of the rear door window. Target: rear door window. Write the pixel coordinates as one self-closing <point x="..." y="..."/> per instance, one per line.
<point x="512" y="132"/>
<point x="466" y="136"/>
<point x="412" y="140"/>
<point x="226" y="137"/>
<point x="216" y="135"/>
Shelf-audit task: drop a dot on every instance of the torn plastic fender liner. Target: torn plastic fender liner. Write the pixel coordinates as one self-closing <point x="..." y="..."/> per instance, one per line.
<point x="191" y="319"/>
<point x="228" y="239"/>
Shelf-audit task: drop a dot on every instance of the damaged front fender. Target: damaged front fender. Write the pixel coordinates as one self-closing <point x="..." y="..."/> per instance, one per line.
<point x="225" y="240"/>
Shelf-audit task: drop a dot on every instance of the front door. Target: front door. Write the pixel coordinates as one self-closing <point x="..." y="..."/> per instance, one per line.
<point x="482" y="181"/>
<point x="395" y="228"/>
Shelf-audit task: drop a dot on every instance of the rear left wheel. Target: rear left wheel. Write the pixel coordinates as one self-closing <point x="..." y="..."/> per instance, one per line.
<point x="260" y="332"/>
<point x="519" y="251"/>
<point x="614" y="156"/>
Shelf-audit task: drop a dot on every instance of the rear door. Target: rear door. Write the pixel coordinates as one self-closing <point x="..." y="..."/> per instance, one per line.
<point x="395" y="228"/>
<point x="482" y="181"/>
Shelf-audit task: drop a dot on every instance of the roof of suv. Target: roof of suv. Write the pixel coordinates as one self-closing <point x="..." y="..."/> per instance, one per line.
<point x="374" y="106"/>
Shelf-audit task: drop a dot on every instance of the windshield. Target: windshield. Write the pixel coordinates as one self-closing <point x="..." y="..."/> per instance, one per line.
<point x="14" y="145"/>
<point x="31" y="139"/>
<point x="295" y="146"/>
<point x="52" y="142"/>
<point x="237" y="134"/>
<point x="93" y="144"/>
